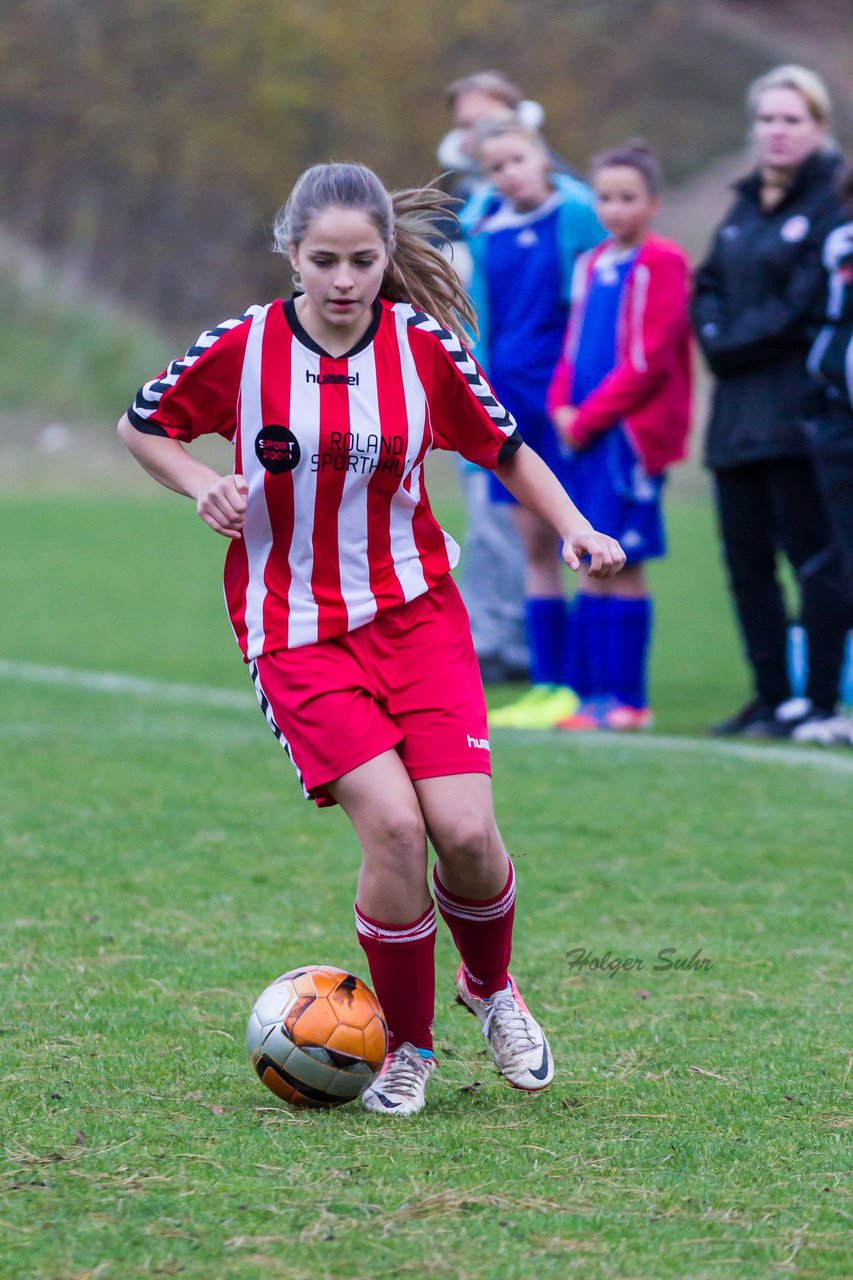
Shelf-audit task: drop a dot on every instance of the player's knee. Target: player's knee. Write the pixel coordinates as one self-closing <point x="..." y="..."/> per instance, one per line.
<point x="399" y="834"/>
<point x="394" y="860"/>
<point x="470" y="843"/>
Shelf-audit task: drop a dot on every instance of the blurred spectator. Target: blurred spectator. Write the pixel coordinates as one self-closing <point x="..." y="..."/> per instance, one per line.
<point x="532" y="226"/>
<point x="756" y="310"/>
<point x="620" y="397"/>
<point x="485" y="95"/>
<point x="830" y="423"/>
<point x="492" y="575"/>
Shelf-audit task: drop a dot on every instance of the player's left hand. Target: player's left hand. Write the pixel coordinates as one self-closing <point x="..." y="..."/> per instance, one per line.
<point x="606" y="556"/>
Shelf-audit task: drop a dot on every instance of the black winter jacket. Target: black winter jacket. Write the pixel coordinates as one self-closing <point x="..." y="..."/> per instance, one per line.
<point x="758" y="304"/>
<point x="831" y="358"/>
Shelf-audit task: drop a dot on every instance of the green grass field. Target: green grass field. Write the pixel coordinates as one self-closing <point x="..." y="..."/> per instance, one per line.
<point x="70" y="358"/>
<point x="161" y="868"/>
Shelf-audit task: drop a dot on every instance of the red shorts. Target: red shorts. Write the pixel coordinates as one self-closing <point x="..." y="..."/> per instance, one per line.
<point x="409" y="679"/>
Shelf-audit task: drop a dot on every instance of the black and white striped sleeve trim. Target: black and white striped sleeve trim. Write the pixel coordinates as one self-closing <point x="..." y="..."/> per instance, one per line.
<point x="148" y="396"/>
<point x="467" y="367"/>
<point x="510" y="447"/>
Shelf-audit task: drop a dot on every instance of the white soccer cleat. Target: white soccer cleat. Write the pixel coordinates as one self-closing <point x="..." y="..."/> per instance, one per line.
<point x="518" y="1043"/>
<point x="400" y="1087"/>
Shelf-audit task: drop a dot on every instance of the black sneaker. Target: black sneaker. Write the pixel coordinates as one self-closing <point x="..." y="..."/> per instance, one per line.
<point x="754" y="713"/>
<point x="786" y="719"/>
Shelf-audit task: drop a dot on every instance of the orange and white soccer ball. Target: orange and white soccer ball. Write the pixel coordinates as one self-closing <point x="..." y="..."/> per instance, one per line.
<point x="316" y="1037"/>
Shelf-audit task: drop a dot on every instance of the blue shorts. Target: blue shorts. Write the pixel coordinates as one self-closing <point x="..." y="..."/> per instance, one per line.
<point x="608" y="483"/>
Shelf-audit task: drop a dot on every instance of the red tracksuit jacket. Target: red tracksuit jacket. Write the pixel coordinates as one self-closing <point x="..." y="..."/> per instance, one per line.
<point x="649" y="390"/>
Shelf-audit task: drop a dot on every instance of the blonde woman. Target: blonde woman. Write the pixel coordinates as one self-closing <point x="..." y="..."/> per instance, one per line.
<point x="757" y="307"/>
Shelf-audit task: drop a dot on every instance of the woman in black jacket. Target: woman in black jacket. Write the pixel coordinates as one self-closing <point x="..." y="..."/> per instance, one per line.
<point x="757" y="307"/>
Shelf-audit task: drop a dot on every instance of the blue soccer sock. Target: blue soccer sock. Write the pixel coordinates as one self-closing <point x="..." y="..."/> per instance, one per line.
<point x="545" y="620"/>
<point x="593" y="624"/>
<point x="627" y="643"/>
<point x="576" y="657"/>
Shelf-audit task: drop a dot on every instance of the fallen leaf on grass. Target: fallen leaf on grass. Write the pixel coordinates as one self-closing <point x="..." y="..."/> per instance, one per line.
<point x="252" y="1242"/>
<point x="700" y="1071"/>
<point x="447" y="1204"/>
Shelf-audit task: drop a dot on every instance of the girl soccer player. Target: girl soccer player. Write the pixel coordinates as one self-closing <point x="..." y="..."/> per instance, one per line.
<point x="338" y="585"/>
<point x="620" y="398"/>
<point x="523" y="249"/>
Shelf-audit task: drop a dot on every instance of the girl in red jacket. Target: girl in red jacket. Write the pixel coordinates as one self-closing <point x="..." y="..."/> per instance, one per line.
<point x="620" y="400"/>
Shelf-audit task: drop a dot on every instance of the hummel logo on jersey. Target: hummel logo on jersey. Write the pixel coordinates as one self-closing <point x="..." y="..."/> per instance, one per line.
<point x="483" y="743"/>
<point x="344" y="379"/>
<point x="277" y="449"/>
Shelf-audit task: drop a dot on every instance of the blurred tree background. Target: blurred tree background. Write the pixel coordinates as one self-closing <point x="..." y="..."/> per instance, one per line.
<point x="148" y="143"/>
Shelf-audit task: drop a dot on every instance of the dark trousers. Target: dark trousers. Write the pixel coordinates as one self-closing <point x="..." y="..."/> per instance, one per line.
<point x="767" y="507"/>
<point x="831" y="439"/>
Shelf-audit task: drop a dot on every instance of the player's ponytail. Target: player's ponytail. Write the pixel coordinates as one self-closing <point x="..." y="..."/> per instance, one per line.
<point x="417" y="271"/>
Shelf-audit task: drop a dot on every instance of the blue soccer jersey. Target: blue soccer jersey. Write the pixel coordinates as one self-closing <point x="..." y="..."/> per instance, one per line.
<point x="607" y="479"/>
<point x="596" y="352"/>
<point x="528" y="314"/>
<point x="528" y="319"/>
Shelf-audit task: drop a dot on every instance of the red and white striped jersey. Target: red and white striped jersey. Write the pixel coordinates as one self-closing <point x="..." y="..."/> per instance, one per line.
<point x="338" y="525"/>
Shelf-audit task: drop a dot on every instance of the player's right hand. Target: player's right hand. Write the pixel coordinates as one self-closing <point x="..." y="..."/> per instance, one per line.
<point x="223" y="504"/>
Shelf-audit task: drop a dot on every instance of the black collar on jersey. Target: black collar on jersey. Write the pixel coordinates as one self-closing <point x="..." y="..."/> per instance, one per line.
<point x="307" y="341"/>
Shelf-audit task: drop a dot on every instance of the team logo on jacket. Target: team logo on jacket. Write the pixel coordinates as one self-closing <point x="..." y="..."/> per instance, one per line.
<point x="795" y="229"/>
<point x="277" y="449"/>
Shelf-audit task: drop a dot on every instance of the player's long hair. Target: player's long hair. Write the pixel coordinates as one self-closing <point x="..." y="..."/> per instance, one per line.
<point x="407" y="221"/>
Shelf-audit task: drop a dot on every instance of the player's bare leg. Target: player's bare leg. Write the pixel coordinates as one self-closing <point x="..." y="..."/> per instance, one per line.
<point x="474" y="884"/>
<point x="381" y="803"/>
<point x="395" y="919"/>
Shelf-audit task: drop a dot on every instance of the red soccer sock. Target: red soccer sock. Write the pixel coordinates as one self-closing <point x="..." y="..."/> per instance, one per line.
<point x="401" y="958"/>
<point x="482" y="932"/>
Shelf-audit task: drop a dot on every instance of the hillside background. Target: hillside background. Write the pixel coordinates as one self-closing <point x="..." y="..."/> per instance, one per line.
<point x="146" y="144"/>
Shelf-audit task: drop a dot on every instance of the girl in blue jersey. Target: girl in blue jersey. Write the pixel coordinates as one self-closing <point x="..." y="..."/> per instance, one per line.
<point x="523" y="248"/>
<point x="620" y="398"/>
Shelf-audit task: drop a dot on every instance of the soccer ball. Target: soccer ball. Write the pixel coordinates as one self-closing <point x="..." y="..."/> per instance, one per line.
<point x="317" y="1037"/>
